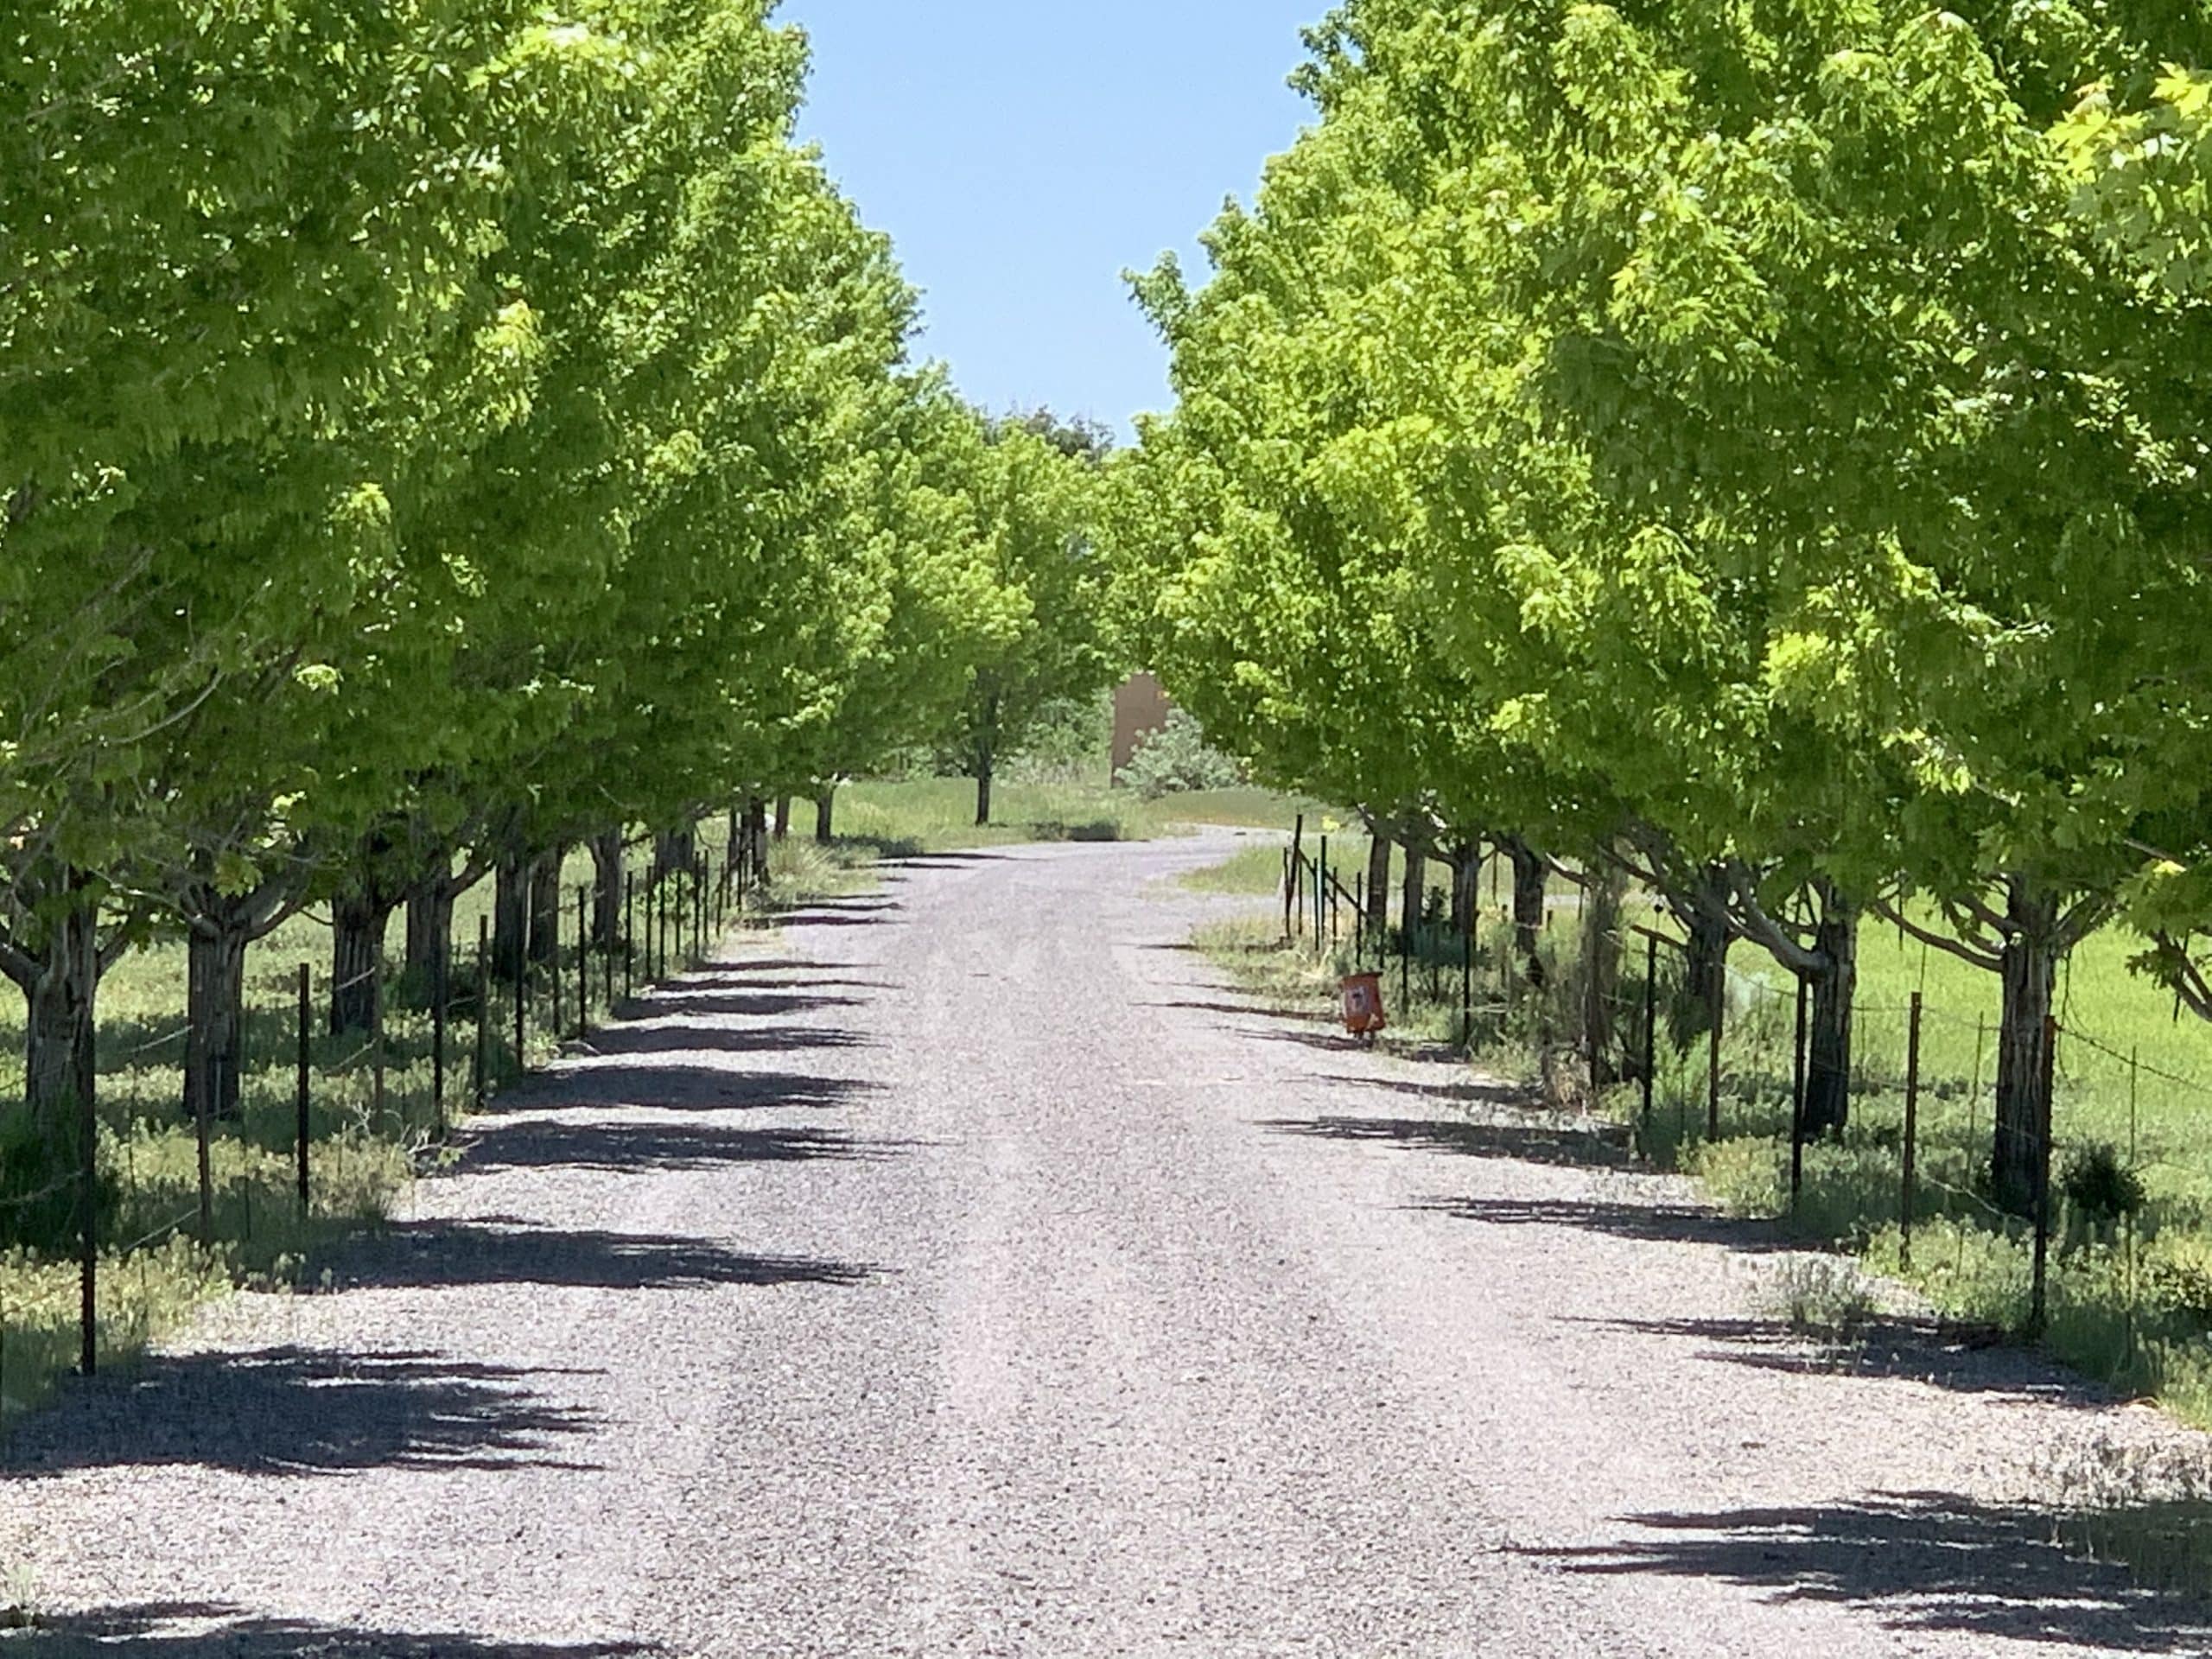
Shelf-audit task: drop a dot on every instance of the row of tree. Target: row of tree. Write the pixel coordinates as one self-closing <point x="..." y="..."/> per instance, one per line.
<point x="434" y="435"/>
<point x="1758" y="450"/>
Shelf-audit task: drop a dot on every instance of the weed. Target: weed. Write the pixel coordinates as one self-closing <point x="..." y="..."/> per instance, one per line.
<point x="1822" y="1298"/>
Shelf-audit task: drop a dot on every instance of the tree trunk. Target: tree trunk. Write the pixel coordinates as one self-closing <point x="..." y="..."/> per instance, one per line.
<point x="1828" y="1041"/>
<point x="983" y="792"/>
<point x="1704" y="971"/>
<point x="825" y="808"/>
<point x="61" y="1073"/>
<point x="607" y="893"/>
<point x="214" y="1014"/>
<point x="1601" y="968"/>
<point x="545" y="907"/>
<point x="430" y="931"/>
<point x="357" y="922"/>
<point x="757" y="830"/>
<point x="783" y="817"/>
<point x="1378" y="886"/>
<point x="2030" y="972"/>
<point x="1467" y="883"/>
<point x="510" y="915"/>
<point x="1529" y="878"/>
<point x="1413" y="896"/>
<point x="734" y="852"/>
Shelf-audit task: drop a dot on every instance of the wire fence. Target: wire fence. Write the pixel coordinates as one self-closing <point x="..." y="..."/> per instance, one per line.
<point x="327" y="1118"/>
<point x="2117" y="1187"/>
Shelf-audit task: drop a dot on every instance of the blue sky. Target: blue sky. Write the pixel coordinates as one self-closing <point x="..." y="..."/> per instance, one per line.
<point x="1023" y="153"/>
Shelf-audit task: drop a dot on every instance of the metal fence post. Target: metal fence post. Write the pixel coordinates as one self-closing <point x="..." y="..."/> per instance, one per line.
<point x="440" y="995"/>
<point x="1650" y="1030"/>
<point x="1713" y="1056"/>
<point x="1912" y="1131"/>
<point x="2039" y="1305"/>
<point x="583" y="962"/>
<point x="480" y="1083"/>
<point x="522" y="982"/>
<point x="300" y="1127"/>
<point x="1797" y="1106"/>
<point x="629" y="935"/>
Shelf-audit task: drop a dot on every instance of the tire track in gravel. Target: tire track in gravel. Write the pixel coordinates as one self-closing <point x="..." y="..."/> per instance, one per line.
<point x="976" y="1277"/>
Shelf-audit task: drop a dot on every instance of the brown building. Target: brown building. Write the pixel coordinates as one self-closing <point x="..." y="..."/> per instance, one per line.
<point x="1140" y="707"/>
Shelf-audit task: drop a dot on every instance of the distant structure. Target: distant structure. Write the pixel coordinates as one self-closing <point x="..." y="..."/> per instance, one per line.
<point x="1140" y="707"/>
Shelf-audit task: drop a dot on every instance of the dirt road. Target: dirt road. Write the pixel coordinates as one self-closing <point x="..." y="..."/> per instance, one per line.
<point x="977" y="1278"/>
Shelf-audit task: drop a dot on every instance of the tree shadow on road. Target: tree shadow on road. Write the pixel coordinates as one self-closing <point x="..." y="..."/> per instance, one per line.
<point x="1532" y="1143"/>
<point x="664" y="1086"/>
<point x="690" y="1037"/>
<point x="1661" y="1223"/>
<point x="1936" y="1562"/>
<point x="1964" y="1359"/>
<point x="776" y="1004"/>
<point x="1254" y="1010"/>
<point x="629" y="1147"/>
<point x="507" y="1251"/>
<point x="300" y="1411"/>
<point x="214" y="1631"/>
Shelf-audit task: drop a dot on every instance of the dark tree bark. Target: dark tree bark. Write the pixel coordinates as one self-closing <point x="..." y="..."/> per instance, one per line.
<point x="983" y="793"/>
<point x="1529" y="876"/>
<point x="1832" y="988"/>
<point x="1413" y="894"/>
<point x="359" y="920"/>
<point x="783" y="817"/>
<point x="825" y="809"/>
<point x="1466" y="886"/>
<point x="607" y="893"/>
<point x="2029" y="972"/>
<point x="429" y="929"/>
<point x="1378" y="884"/>
<point x="1601" y="970"/>
<point x="546" y="908"/>
<point x="215" y="1015"/>
<point x="757" y="833"/>
<point x="509" y="914"/>
<point x="985" y="759"/>
<point x="57" y="966"/>
<point x="1708" y="933"/>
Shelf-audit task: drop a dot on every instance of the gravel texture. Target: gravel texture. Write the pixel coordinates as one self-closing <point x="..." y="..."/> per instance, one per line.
<point x="978" y="1277"/>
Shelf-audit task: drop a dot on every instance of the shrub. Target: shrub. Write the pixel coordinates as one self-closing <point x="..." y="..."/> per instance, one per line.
<point x="1177" y="760"/>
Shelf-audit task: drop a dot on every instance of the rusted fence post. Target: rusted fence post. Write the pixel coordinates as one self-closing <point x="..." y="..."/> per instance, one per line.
<point x="583" y="962"/>
<point x="1650" y="1032"/>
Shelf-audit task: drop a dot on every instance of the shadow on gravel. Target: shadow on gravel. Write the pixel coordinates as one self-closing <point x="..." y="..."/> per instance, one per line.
<point x="204" y="1630"/>
<point x="540" y="1143"/>
<point x="1936" y="1562"/>
<point x="1466" y="1093"/>
<point x="300" y="1411"/>
<point x="689" y="1038"/>
<point x="1666" y="1224"/>
<point x="458" y="1255"/>
<point x="1258" y="1010"/>
<point x="759" y="1005"/>
<point x="1966" y="1359"/>
<point x="1529" y="1143"/>
<point x="587" y="1082"/>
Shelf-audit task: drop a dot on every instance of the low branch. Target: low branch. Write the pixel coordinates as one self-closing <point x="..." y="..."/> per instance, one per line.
<point x="1988" y="961"/>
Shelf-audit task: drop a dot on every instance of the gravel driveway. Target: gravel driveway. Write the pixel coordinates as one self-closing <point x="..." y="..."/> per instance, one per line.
<point x="976" y="1277"/>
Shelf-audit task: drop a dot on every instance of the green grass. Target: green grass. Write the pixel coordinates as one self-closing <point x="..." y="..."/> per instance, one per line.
<point x="2129" y="1305"/>
<point x="938" y="814"/>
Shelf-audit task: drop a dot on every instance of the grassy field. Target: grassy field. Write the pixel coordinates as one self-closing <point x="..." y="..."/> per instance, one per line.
<point x="2130" y="1291"/>
<point x="373" y="1117"/>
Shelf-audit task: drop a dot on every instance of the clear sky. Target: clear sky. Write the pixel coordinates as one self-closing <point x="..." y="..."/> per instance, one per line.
<point x="1024" y="153"/>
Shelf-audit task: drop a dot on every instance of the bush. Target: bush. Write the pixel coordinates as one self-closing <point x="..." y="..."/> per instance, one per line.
<point x="1177" y="760"/>
<point x="2101" y="1186"/>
